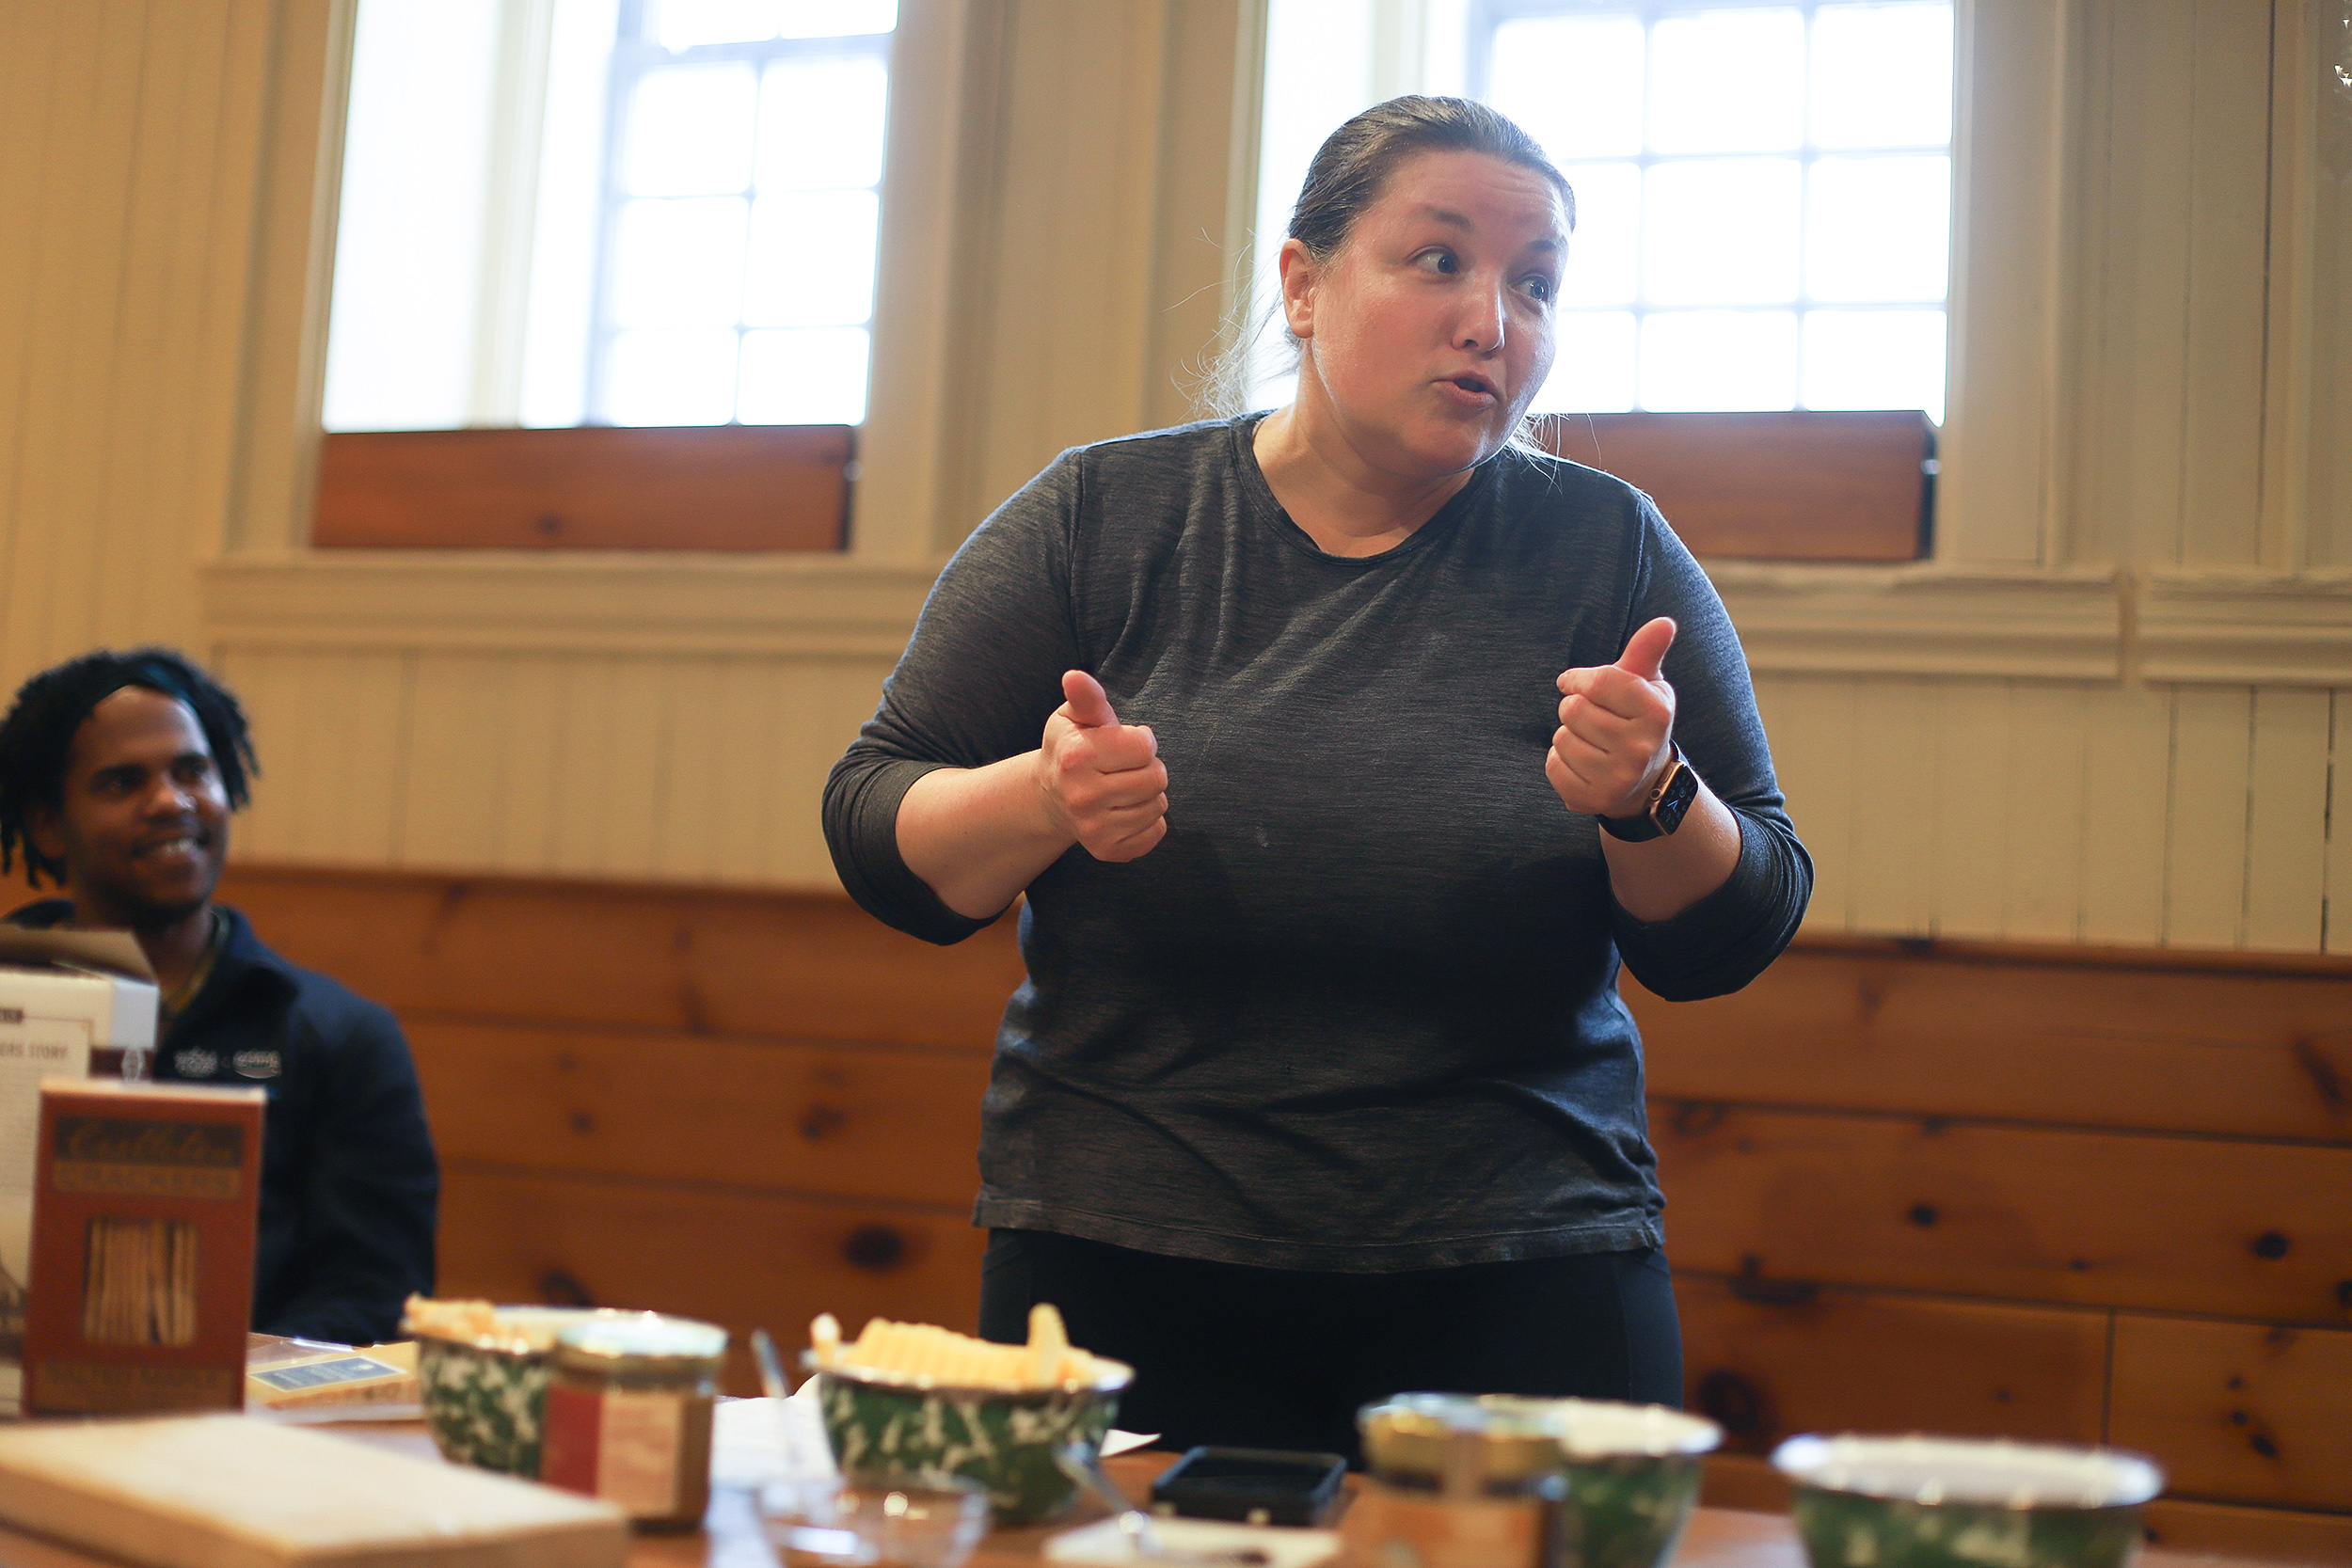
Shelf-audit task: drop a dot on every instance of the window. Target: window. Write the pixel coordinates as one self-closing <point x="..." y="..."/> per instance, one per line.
<point x="630" y="212"/>
<point x="1752" y="320"/>
<point x="1763" y="195"/>
<point x="1763" y="188"/>
<point x="741" y="199"/>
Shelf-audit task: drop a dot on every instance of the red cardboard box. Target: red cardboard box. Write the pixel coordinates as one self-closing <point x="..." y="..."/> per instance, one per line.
<point x="145" y="1197"/>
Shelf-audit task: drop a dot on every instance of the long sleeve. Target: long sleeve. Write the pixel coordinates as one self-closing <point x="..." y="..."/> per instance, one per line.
<point x="369" y="1189"/>
<point x="978" y="679"/>
<point x="1726" y="939"/>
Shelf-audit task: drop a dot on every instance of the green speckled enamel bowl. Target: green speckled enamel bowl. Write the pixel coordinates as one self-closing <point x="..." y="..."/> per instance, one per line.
<point x="1632" y="1474"/>
<point x="484" y="1403"/>
<point x="1011" y="1443"/>
<point x="1938" y="1502"/>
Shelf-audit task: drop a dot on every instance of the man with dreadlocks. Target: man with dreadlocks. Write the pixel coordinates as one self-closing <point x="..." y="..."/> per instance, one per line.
<point x="118" y="773"/>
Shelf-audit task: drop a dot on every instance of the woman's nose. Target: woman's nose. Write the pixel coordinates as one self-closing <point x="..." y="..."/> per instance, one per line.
<point x="1481" y="328"/>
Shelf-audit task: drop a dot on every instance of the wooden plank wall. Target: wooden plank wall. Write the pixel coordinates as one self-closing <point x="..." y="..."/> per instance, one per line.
<point x="2058" y="1193"/>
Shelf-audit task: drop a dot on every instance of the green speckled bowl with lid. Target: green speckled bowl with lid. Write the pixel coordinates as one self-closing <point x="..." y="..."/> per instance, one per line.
<point x="1632" y="1472"/>
<point x="1628" y="1474"/>
<point x="1944" y="1502"/>
<point x="486" y="1402"/>
<point x="1019" y="1445"/>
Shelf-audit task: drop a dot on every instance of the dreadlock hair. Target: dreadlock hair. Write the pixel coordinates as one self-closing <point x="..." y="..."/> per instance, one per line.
<point x="36" y="736"/>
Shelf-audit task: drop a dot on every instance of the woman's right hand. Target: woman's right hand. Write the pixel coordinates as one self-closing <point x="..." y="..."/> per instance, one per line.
<point x="1102" y="781"/>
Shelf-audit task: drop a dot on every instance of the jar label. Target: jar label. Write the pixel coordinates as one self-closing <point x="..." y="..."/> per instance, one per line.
<point x="624" y="1448"/>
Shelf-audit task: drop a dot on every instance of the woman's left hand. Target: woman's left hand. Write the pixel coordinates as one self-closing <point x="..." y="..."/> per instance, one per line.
<point x="1615" y="722"/>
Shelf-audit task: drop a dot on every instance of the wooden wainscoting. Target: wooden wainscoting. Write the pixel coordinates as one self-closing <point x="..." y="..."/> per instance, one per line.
<point x="2048" y="1193"/>
<point x="2057" y="1194"/>
<point x="745" y="1107"/>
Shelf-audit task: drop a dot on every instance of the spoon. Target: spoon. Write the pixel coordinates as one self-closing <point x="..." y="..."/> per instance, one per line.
<point x="1082" y="1461"/>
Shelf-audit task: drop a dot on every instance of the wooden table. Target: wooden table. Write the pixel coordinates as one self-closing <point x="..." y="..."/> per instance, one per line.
<point x="732" y="1538"/>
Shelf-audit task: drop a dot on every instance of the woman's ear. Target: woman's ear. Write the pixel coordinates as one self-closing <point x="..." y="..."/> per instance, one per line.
<point x="1298" y="274"/>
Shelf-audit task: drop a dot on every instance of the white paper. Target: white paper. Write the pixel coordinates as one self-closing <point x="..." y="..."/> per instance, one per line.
<point x="31" y="1049"/>
<point x="1104" y="1543"/>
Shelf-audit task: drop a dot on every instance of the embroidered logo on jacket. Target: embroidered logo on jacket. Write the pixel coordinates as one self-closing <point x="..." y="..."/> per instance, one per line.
<point x="194" y="1062"/>
<point x="257" y="1064"/>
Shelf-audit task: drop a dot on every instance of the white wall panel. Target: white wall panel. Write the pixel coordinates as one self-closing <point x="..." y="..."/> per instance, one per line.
<point x="2204" y="904"/>
<point x="2338" y="853"/>
<point x="331" y="730"/>
<point x="1971" y="826"/>
<point x="2287" y="821"/>
<point x="457" y="786"/>
<point x="2043" y="796"/>
<point x="2127" y="767"/>
<point x="1896" y="795"/>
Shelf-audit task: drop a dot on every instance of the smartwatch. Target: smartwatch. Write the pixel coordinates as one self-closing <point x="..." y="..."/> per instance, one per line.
<point x="1669" y="799"/>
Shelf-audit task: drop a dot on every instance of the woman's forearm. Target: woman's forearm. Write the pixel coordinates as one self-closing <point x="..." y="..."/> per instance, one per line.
<point x="1661" y="877"/>
<point x="979" y="835"/>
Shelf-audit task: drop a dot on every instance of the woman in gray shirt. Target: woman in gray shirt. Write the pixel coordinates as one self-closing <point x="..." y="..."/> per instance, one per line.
<point x="1343" y="752"/>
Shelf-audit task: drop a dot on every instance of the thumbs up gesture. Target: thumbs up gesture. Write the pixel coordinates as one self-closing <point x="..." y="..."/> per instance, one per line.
<point x="1615" y="723"/>
<point x="1103" y="782"/>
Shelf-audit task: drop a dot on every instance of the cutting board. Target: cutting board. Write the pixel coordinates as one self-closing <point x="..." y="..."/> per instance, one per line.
<point x="225" y="1492"/>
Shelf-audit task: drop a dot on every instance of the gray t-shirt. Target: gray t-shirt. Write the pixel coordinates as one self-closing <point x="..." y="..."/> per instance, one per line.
<point x="1357" y="1010"/>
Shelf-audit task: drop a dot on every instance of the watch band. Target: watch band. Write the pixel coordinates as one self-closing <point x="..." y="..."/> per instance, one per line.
<point x="1669" y="799"/>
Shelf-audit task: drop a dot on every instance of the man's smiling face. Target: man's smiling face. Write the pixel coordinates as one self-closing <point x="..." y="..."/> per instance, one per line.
<point x="141" y="823"/>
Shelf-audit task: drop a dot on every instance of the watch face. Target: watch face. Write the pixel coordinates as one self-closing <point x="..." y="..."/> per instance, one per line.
<point x="1680" y="791"/>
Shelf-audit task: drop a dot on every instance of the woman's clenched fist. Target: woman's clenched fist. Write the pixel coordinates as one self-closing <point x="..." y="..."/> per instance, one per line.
<point x="1615" y="722"/>
<point x="1102" y="781"/>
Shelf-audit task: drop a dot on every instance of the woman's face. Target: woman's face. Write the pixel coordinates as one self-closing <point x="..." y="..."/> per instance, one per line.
<point x="1427" y="335"/>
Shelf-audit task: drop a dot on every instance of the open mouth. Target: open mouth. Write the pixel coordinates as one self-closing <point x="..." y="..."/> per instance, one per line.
<point x="179" y="847"/>
<point x="1478" y="385"/>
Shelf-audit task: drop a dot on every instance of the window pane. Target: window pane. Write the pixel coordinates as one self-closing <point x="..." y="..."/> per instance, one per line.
<point x="1883" y="75"/>
<point x="1722" y="231"/>
<point x="833" y="19"/>
<point x="1718" y="359"/>
<point x="1728" y="81"/>
<point x="1875" y="359"/>
<point x="1594" y="372"/>
<point x="812" y="377"/>
<point x="689" y="132"/>
<point x="812" y="259"/>
<point x="1574" y="83"/>
<point x="1604" y="253"/>
<point x="684" y="23"/>
<point x="679" y="263"/>
<point x="1879" y="228"/>
<point x="820" y="124"/>
<point x="670" y="377"/>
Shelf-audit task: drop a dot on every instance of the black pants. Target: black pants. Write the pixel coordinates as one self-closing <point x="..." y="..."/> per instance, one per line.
<point x="1281" y="1358"/>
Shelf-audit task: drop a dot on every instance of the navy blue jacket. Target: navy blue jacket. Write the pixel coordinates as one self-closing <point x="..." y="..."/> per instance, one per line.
<point x="349" y="1183"/>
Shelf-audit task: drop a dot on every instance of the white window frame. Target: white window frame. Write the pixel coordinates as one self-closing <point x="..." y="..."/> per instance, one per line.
<point x="636" y="56"/>
<point x="1485" y="16"/>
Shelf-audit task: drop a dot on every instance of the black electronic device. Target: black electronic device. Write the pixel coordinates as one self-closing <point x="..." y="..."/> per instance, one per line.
<point x="1256" y="1487"/>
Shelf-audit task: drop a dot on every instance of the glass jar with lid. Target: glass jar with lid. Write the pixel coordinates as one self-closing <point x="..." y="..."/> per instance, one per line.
<point x="628" y="1415"/>
<point x="1456" y="1482"/>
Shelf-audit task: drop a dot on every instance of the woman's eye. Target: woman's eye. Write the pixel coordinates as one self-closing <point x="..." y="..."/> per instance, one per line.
<point x="1438" y="260"/>
<point x="1539" y="288"/>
